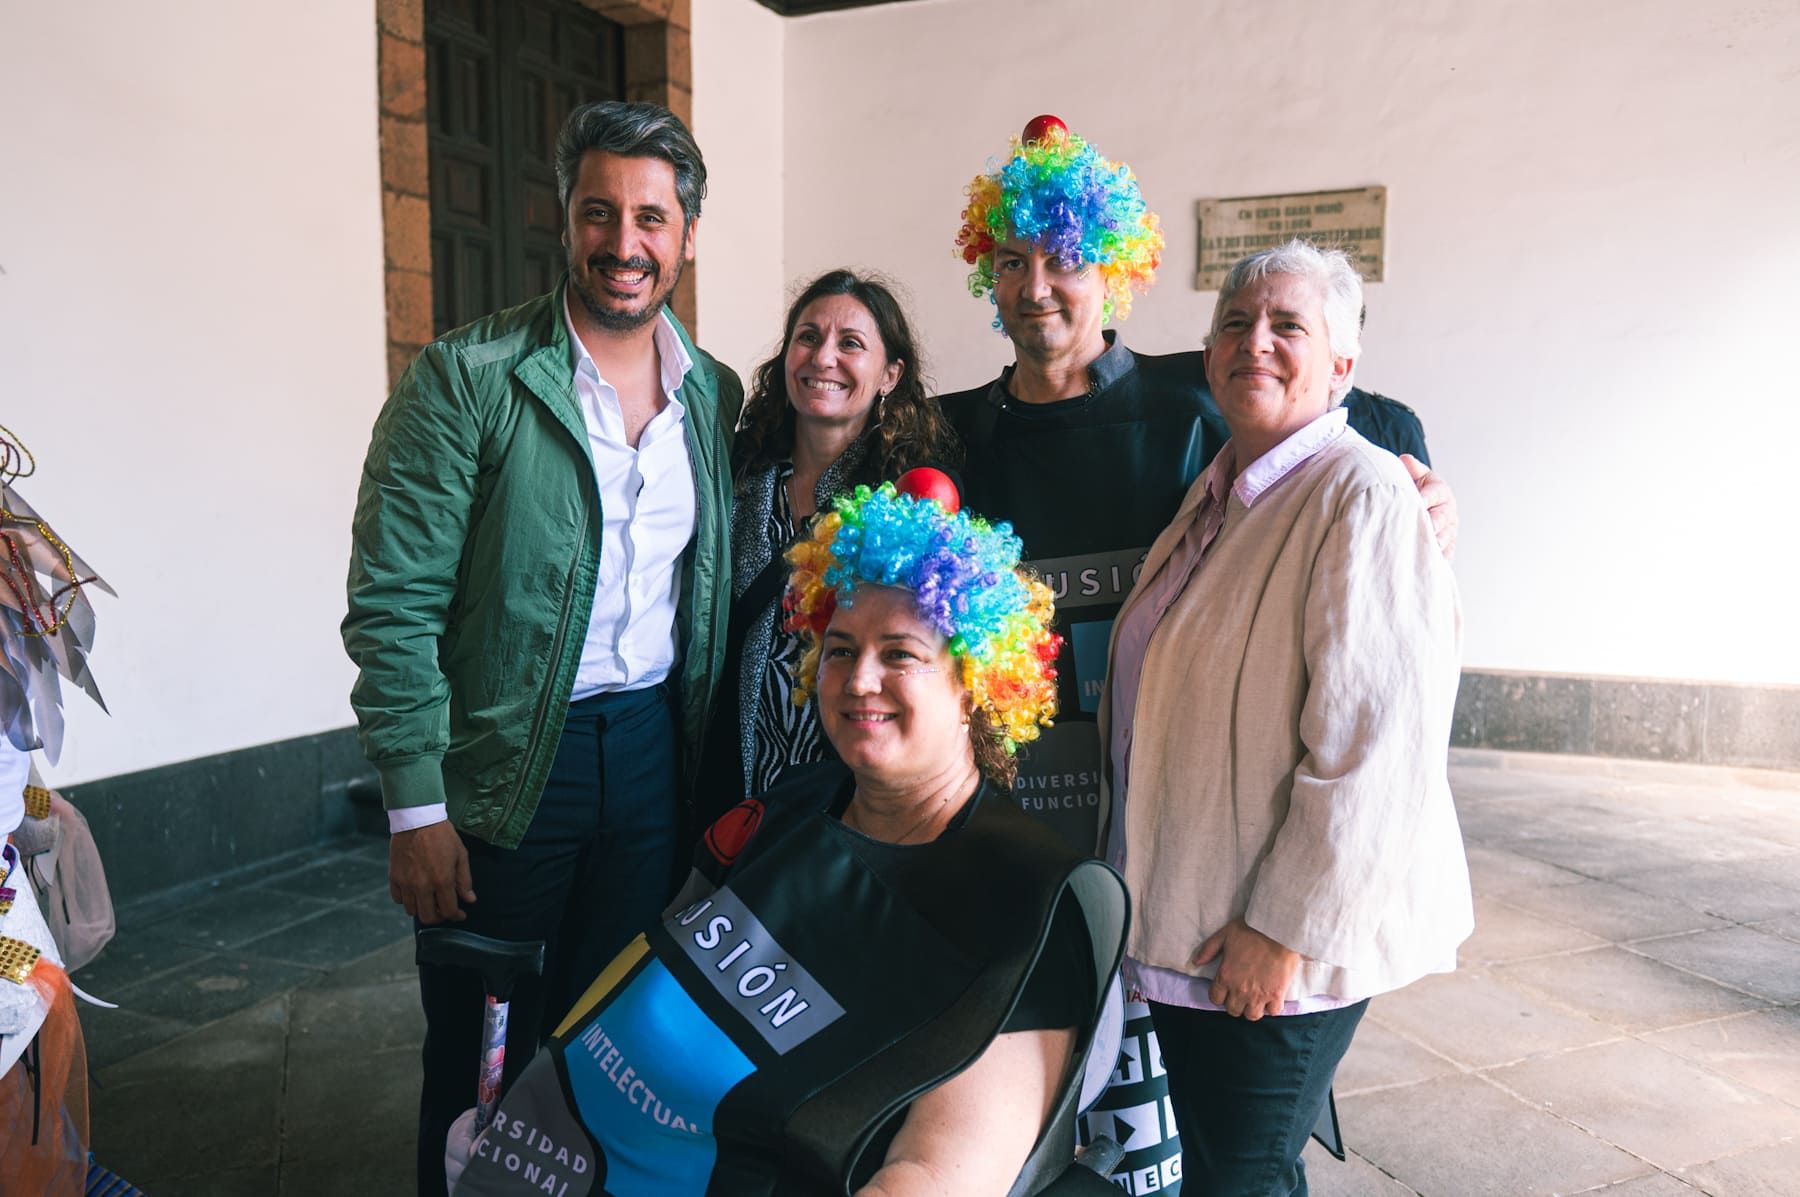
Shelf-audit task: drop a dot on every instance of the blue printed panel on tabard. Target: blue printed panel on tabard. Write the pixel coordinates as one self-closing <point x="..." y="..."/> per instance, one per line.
<point x="648" y="1074"/>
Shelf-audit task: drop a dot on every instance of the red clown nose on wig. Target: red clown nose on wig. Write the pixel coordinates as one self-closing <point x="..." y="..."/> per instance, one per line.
<point x="1043" y="128"/>
<point x="927" y="483"/>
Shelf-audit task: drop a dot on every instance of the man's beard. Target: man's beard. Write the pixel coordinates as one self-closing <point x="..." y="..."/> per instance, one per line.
<point x="612" y="319"/>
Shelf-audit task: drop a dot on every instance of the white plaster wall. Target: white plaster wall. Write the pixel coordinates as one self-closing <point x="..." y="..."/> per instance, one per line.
<point x="738" y="48"/>
<point x="191" y="341"/>
<point x="1592" y="289"/>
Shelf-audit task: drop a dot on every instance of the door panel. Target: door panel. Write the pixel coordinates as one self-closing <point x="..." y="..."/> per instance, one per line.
<point x="502" y="75"/>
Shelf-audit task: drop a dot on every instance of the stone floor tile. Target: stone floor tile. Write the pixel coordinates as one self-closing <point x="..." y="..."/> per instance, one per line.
<point x="343" y="1022"/>
<point x="1607" y="848"/>
<point x="115" y="1035"/>
<point x="334" y="876"/>
<point x="1650" y="1102"/>
<point x="155" y="907"/>
<point x="386" y="1173"/>
<point x="260" y="1180"/>
<point x="1787" y="926"/>
<point x="208" y="1101"/>
<point x="335" y="936"/>
<point x="1656" y="1184"/>
<point x="391" y="963"/>
<point x="1353" y="1176"/>
<point x="1504" y="932"/>
<point x="1528" y="775"/>
<point x="1744" y="891"/>
<point x="132" y="957"/>
<point x="1464" y="1137"/>
<point x="1772" y="1171"/>
<point x="1478" y="1020"/>
<point x="1611" y="911"/>
<point x="1626" y="990"/>
<point x="356" y="1105"/>
<point x="1770" y="828"/>
<point x="1759" y="1050"/>
<point x="1496" y="872"/>
<point x="1379" y="1057"/>
<point x="211" y="988"/>
<point x="234" y="918"/>
<point x="1766" y="965"/>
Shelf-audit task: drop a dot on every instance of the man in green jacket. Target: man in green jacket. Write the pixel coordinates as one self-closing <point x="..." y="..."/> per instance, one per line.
<point x="538" y="594"/>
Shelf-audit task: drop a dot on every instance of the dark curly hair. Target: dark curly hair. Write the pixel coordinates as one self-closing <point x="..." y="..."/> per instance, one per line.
<point x="912" y="430"/>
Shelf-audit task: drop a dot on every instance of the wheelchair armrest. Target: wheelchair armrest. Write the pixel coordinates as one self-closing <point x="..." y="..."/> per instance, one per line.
<point x="1088" y="1175"/>
<point x="1102" y="1155"/>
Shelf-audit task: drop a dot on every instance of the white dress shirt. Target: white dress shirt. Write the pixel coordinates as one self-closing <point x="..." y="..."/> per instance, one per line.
<point x="648" y="504"/>
<point x="648" y="508"/>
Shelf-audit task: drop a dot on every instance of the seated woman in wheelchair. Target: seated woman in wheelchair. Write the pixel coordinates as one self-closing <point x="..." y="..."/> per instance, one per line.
<point x="883" y="977"/>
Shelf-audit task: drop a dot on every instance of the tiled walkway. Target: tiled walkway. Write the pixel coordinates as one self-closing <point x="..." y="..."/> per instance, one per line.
<point x="1626" y="1020"/>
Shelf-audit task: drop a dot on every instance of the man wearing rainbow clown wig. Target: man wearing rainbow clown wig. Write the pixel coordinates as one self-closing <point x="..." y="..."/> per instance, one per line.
<point x="882" y="978"/>
<point x="1088" y="448"/>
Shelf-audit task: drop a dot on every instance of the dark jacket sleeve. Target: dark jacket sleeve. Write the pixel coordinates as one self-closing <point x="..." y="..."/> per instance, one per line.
<point x="1386" y="422"/>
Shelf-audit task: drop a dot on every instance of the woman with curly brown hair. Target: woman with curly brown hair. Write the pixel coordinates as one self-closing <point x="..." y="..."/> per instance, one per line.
<point x="843" y="402"/>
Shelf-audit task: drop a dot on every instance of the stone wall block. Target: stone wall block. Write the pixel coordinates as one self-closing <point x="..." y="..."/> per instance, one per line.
<point x="409" y="307"/>
<point x="1525" y="713"/>
<point x="402" y="78"/>
<point x="403" y="18"/>
<point x="406" y="230"/>
<point x="1758" y="726"/>
<point x="1648" y="720"/>
<point x="678" y="100"/>
<point x="678" y="56"/>
<point x="405" y="156"/>
<point x="658" y="53"/>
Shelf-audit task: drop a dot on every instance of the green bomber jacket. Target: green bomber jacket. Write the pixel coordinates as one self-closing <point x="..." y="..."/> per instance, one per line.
<point x="476" y="544"/>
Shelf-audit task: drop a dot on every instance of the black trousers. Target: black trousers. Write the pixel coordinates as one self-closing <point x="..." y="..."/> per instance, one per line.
<point x="1246" y="1094"/>
<point x="596" y="866"/>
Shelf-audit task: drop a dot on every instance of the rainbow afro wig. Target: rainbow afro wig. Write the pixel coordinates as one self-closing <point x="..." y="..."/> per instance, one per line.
<point x="965" y="579"/>
<point x="1056" y="191"/>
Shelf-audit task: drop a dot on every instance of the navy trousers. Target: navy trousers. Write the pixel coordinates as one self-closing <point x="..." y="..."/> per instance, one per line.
<point x="1246" y="1094"/>
<point x="596" y="867"/>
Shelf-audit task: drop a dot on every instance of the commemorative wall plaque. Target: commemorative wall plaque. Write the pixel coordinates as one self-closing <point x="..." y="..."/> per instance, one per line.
<point x="1353" y="221"/>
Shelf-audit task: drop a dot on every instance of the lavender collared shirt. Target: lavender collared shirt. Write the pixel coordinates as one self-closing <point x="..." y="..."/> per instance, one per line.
<point x="1138" y="627"/>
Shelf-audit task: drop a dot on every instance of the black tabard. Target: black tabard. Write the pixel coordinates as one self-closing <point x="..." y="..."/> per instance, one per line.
<point x="768" y="1037"/>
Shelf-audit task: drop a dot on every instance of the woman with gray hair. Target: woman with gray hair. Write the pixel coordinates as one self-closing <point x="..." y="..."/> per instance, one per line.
<point x="1278" y="724"/>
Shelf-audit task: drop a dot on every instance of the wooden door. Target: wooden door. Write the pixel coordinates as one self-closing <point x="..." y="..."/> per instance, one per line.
<point x="501" y="76"/>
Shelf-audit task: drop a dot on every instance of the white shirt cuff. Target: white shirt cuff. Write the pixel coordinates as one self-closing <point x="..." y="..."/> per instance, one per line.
<point x="411" y="818"/>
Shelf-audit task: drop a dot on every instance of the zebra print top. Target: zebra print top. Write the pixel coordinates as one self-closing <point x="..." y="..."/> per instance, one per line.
<point x="782" y="734"/>
<point x="773" y="734"/>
